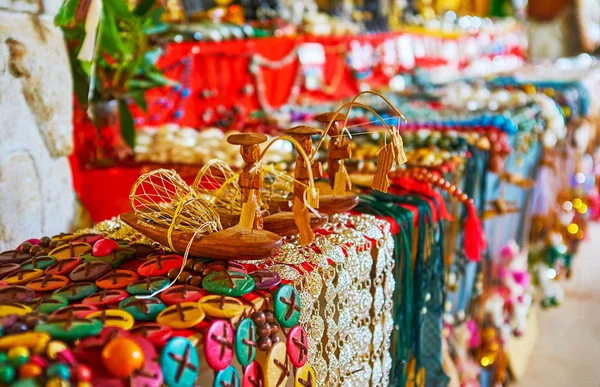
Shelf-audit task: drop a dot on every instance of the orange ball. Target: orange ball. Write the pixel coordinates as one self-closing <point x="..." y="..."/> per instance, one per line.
<point x="29" y="370"/>
<point x="122" y="356"/>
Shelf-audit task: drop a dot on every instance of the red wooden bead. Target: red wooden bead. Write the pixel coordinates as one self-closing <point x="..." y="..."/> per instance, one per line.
<point x="104" y="247"/>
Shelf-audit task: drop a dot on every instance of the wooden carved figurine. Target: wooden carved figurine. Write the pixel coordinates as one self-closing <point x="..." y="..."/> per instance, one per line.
<point x="250" y="179"/>
<point x="385" y="160"/>
<point x="303" y="134"/>
<point x="302" y="217"/>
<point x="338" y="151"/>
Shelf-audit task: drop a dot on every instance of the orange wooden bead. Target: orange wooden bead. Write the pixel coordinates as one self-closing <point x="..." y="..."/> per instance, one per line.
<point x="29" y="370"/>
<point x="122" y="356"/>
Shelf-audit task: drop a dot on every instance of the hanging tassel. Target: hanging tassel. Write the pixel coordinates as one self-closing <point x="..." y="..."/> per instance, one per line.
<point x="474" y="239"/>
<point x="302" y="219"/>
<point x="341" y="181"/>
<point x="385" y="159"/>
<point x="248" y="212"/>
<point x="397" y="146"/>
<point x="86" y="53"/>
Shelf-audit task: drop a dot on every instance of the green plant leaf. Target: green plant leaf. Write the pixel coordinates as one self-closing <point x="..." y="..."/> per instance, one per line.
<point x="144" y="7"/>
<point x="158" y="78"/>
<point x="81" y="80"/>
<point x="140" y="84"/>
<point x="119" y="9"/>
<point x="127" y="128"/>
<point x="86" y="67"/>
<point x="139" y="98"/>
<point x="153" y="24"/>
<point x="111" y="40"/>
<point x="66" y="13"/>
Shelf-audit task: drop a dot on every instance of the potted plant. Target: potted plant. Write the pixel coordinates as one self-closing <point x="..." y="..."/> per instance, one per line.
<point x="122" y="66"/>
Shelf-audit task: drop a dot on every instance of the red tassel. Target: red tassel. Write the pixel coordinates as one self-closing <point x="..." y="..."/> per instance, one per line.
<point x="424" y="188"/>
<point x="474" y="238"/>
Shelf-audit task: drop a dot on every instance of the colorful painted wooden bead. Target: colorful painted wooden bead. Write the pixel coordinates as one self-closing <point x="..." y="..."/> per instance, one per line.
<point x="218" y="344"/>
<point x="23" y="276"/>
<point x="69" y="250"/>
<point x="17" y="294"/>
<point x="48" y="283"/>
<point x="59" y="370"/>
<point x="181" y="316"/>
<point x="228" y="377"/>
<point x="150" y="374"/>
<point x="297" y="346"/>
<point x="160" y="265"/>
<point x="76" y="310"/>
<point x="114" y="260"/>
<point x="38" y="262"/>
<point x="90" y="347"/>
<point x="179" y="363"/>
<point x="227" y="265"/>
<point x="30" y="370"/>
<point x="104" y="247"/>
<point x="63" y="266"/>
<point x="47" y="304"/>
<point x="181" y="293"/>
<point x="7" y="374"/>
<point x="56" y="382"/>
<point x="264" y="279"/>
<point x="142" y="309"/>
<point x="105" y="297"/>
<point x="117" y="279"/>
<point x="8" y="269"/>
<point x="148" y="285"/>
<point x="38" y="360"/>
<point x="28" y="382"/>
<point x="54" y="348"/>
<point x="90" y="271"/>
<point x="277" y="367"/>
<point x="155" y="333"/>
<point x="287" y="306"/>
<point x="13" y="256"/>
<point x="113" y="318"/>
<point x="17" y="356"/>
<point x="228" y="283"/>
<point x="14" y="308"/>
<point x="71" y="328"/>
<point x="245" y="342"/>
<point x="63" y="237"/>
<point x="88" y="238"/>
<point x="305" y="377"/>
<point x="31" y="340"/>
<point x="221" y="306"/>
<point x="122" y="356"/>
<point x="84" y="373"/>
<point x="143" y="250"/>
<point x="253" y="375"/>
<point x="76" y="291"/>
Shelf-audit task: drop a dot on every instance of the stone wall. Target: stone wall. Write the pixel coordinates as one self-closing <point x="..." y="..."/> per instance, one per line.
<point x="36" y="190"/>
